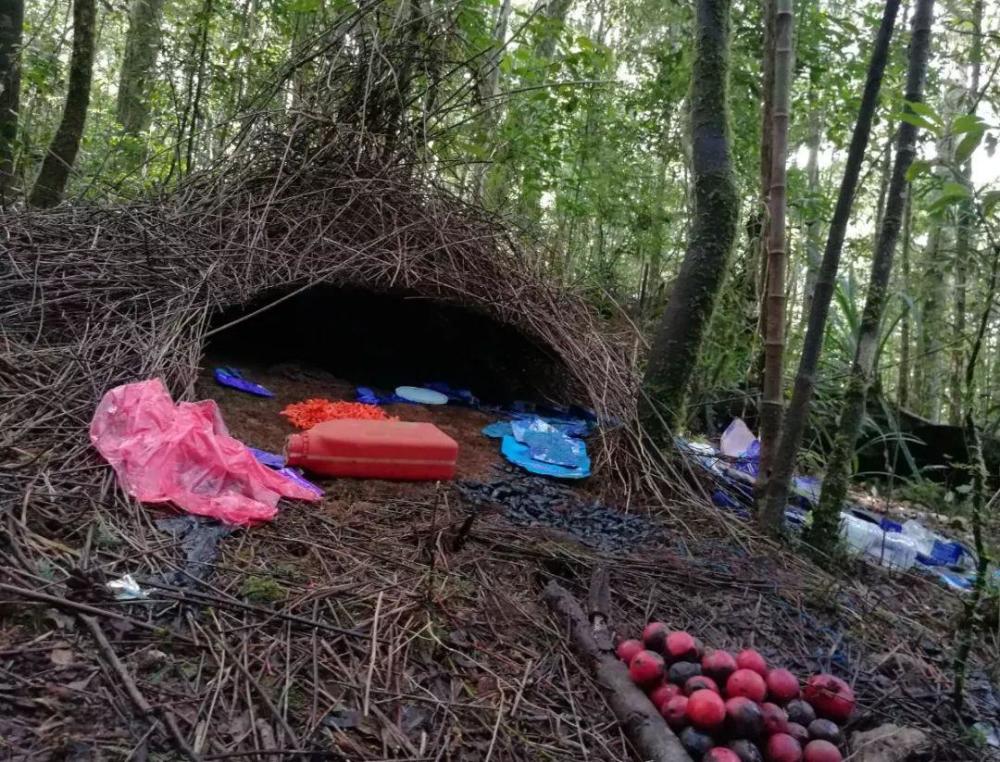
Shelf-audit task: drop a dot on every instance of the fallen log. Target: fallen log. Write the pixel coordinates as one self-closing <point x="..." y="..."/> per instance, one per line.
<point x="590" y="637"/>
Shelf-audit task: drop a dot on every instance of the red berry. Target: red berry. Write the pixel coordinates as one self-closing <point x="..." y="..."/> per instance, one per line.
<point x="654" y="637"/>
<point x="706" y="710"/>
<point x="750" y="659"/>
<point x="627" y="650"/>
<point x="781" y="747"/>
<point x="830" y="696"/>
<point x="681" y="647"/>
<point x="662" y="693"/>
<point x="721" y="754"/>
<point x="821" y="751"/>
<point x="699" y="683"/>
<point x="745" y="682"/>
<point x="718" y="665"/>
<point x="782" y="686"/>
<point x="675" y="712"/>
<point x="646" y="668"/>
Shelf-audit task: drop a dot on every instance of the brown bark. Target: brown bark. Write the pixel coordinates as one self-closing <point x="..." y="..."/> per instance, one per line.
<point x="591" y="638"/>
<point x="678" y="337"/>
<point x="805" y="378"/>
<point x="51" y="182"/>
<point x="772" y="396"/>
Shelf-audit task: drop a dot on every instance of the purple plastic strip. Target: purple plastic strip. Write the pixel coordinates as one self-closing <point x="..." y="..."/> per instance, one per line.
<point x="233" y="379"/>
<point x="295" y="476"/>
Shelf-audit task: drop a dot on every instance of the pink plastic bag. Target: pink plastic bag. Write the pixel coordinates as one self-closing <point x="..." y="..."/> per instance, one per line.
<point x="183" y="454"/>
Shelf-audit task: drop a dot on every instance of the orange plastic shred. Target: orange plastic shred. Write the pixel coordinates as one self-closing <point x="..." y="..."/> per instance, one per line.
<point x="308" y="413"/>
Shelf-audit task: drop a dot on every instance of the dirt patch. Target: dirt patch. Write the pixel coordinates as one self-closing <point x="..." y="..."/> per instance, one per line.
<point x="257" y="421"/>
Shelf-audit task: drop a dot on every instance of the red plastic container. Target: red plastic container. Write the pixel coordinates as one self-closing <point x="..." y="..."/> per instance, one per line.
<point x="375" y="450"/>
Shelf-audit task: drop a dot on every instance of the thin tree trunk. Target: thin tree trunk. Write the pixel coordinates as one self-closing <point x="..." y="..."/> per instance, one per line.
<point x="964" y="233"/>
<point x="980" y="506"/>
<point x="489" y="88"/>
<point x="805" y="380"/>
<point x="823" y="532"/>
<point x="903" y="385"/>
<point x="142" y="45"/>
<point x="59" y="159"/>
<point x="11" y="29"/>
<point x="772" y="397"/>
<point x="929" y="370"/>
<point x="883" y="186"/>
<point x="813" y="251"/>
<point x="199" y="89"/>
<point x="713" y="229"/>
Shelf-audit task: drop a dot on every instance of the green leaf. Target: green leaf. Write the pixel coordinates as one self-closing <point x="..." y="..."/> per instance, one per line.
<point x="991" y="199"/>
<point x="966" y="123"/>
<point x="919" y="107"/>
<point x="955" y="190"/>
<point x="917" y="168"/>
<point x="967" y="145"/>
<point x="918" y="121"/>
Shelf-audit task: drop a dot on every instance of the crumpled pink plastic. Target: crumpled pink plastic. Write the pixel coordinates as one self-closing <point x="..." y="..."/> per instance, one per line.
<point x="183" y="454"/>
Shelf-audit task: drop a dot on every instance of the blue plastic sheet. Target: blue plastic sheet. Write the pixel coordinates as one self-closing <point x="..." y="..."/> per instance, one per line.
<point x="498" y="430"/>
<point x="232" y="378"/>
<point x="548" y="444"/>
<point x="520" y="455"/>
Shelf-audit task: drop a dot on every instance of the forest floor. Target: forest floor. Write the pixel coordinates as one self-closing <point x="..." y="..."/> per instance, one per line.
<point x="271" y="651"/>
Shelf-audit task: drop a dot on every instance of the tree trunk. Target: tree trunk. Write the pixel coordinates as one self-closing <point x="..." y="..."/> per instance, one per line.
<point x="813" y="252"/>
<point x="716" y="207"/>
<point x="51" y="182"/>
<point x="964" y="233"/>
<point x="805" y="380"/>
<point x="823" y="532"/>
<point x="930" y="370"/>
<point x="142" y="45"/>
<point x="772" y="397"/>
<point x="903" y="385"/>
<point x="489" y="89"/>
<point x="11" y="29"/>
<point x="980" y="505"/>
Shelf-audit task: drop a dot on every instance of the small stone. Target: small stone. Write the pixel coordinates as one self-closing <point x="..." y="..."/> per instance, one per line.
<point x="887" y="743"/>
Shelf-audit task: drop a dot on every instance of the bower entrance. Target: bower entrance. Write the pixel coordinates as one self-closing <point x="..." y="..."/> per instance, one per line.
<point x="389" y="339"/>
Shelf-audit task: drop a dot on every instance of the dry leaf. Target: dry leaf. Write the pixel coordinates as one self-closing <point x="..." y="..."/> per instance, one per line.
<point x="61" y="657"/>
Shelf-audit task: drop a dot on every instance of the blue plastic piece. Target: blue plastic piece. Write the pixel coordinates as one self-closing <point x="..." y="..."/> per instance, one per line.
<point x="419" y="395"/>
<point x="889" y="525"/>
<point x="368" y="396"/>
<point x="270" y="459"/>
<point x="520" y="455"/>
<point x="498" y="430"/>
<point x="455" y="396"/>
<point x="955" y="581"/>
<point x="232" y="378"/>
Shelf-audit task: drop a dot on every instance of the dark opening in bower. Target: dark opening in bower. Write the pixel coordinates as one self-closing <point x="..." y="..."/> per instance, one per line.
<point x="387" y="340"/>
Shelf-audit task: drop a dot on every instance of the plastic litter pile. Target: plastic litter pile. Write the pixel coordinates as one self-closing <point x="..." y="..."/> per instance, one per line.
<point x="182" y="454"/>
<point x="879" y="540"/>
<point x="308" y="413"/>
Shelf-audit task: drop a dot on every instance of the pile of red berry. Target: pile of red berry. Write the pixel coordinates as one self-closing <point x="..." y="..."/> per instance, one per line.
<point x="736" y="709"/>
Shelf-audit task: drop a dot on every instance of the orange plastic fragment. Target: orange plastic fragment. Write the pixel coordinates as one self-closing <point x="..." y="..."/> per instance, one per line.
<point x="308" y="413"/>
